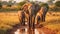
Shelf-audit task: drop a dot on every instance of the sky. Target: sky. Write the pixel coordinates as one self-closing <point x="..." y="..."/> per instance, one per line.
<point x="30" y="0"/>
<point x="13" y="0"/>
<point x="22" y="0"/>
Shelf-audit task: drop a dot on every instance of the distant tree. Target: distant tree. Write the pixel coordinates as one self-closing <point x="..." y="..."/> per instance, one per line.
<point x="22" y="3"/>
<point x="50" y="2"/>
<point x="14" y="2"/>
<point x="27" y="0"/>
<point x="0" y="5"/>
<point x="45" y="4"/>
<point x="10" y="3"/>
<point x="57" y="3"/>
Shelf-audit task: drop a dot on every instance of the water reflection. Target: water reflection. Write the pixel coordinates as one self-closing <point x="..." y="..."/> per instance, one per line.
<point x="17" y="32"/>
<point x="36" y="31"/>
<point x="24" y="31"/>
<point x="21" y="31"/>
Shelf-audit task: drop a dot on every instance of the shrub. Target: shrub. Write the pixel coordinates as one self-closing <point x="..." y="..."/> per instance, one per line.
<point x="57" y="3"/>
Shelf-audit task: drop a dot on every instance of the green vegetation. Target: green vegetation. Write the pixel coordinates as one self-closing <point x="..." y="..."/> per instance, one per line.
<point x="0" y="5"/>
<point x="22" y="3"/>
<point x="3" y="31"/>
<point x="45" y="4"/>
<point x="57" y="3"/>
<point x="9" y="6"/>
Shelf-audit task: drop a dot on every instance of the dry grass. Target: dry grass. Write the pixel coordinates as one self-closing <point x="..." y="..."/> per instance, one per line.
<point x="8" y="19"/>
<point x="53" y="21"/>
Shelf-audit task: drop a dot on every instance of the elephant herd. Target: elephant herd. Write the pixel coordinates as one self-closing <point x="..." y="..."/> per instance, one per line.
<point x="36" y="13"/>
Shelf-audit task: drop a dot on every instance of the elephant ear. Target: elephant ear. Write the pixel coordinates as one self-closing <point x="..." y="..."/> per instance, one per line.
<point x="31" y="9"/>
<point x="35" y="8"/>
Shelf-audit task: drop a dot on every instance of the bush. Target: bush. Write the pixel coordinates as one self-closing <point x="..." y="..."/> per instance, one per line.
<point x="54" y="9"/>
<point x="22" y="3"/>
<point x="3" y="31"/>
<point x="0" y="5"/>
<point x="45" y="4"/>
<point x="57" y="3"/>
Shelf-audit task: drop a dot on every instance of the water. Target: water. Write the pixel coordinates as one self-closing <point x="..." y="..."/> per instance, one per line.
<point x="20" y="31"/>
<point x="17" y="32"/>
<point x="36" y="31"/>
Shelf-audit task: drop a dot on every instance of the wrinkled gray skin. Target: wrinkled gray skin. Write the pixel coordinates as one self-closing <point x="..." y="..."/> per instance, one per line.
<point x="34" y="9"/>
<point x="41" y="14"/>
<point x="32" y="12"/>
<point x="44" y="13"/>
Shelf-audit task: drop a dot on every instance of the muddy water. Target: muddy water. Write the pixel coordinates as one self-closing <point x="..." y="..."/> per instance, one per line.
<point x="22" y="31"/>
<point x="25" y="30"/>
<point x="36" y="31"/>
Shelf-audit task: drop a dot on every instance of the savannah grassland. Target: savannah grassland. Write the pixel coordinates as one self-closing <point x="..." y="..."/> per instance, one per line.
<point x="9" y="19"/>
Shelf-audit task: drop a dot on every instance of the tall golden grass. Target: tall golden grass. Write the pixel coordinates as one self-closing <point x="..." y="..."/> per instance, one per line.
<point x="9" y="19"/>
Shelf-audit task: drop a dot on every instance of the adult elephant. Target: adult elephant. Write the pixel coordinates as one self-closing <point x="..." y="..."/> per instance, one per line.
<point x="26" y="8"/>
<point x="40" y="16"/>
<point x="29" y="9"/>
<point x="44" y="13"/>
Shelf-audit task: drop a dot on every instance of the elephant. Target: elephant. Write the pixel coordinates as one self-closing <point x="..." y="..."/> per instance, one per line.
<point x="41" y="14"/>
<point x="26" y="8"/>
<point x="30" y="10"/>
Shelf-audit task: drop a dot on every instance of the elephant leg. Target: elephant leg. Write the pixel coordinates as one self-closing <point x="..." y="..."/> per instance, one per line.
<point x="33" y="22"/>
<point x="43" y="18"/>
<point x="20" y="16"/>
<point x="23" y="18"/>
<point x="38" y="19"/>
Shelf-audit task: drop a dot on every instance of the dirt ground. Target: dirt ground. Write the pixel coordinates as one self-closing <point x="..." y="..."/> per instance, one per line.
<point x="51" y="26"/>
